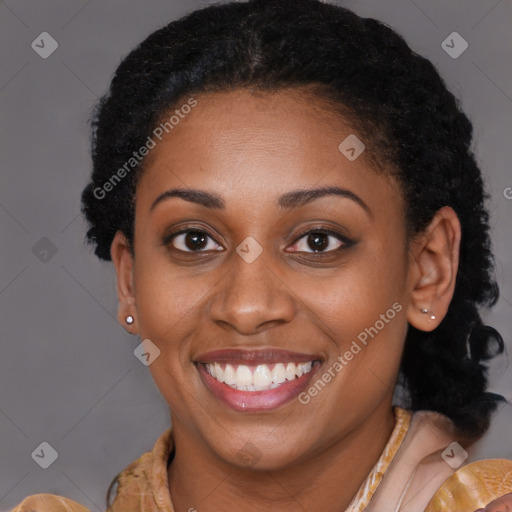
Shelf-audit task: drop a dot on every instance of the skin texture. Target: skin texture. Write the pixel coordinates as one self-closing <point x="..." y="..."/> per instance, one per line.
<point x="250" y="148"/>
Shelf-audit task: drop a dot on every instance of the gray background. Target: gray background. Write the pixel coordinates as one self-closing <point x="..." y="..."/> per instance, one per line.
<point x="68" y="373"/>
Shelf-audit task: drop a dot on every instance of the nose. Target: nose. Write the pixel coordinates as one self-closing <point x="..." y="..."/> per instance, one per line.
<point x="252" y="297"/>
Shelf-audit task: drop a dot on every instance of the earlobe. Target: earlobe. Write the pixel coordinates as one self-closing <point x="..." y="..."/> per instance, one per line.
<point x="434" y="262"/>
<point x="122" y="258"/>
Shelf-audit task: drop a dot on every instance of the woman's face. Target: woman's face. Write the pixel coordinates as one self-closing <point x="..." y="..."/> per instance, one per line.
<point x="247" y="288"/>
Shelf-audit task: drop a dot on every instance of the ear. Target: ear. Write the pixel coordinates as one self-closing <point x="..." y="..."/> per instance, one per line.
<point x="435" y="260"/>
<point x="122" y="258"/>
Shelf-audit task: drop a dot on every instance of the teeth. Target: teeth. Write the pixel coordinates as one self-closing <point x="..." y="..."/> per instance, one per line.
<point x="219" y="372"/>
<point x="229" y="375"/>
<point x="290" y="371"/>
<point x="278" y="373"/>
<point x="243" y="376"/>
<point x="260" y="378"/>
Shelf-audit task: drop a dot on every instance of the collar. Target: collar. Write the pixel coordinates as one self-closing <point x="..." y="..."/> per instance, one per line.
<point x="144" y="485"/>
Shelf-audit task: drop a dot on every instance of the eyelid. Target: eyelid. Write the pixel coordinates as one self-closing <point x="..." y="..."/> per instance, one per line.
<point x="318" y="229"/>
<point x="168" y="238"/>
<point x="345" y="241"/>
<point x="210" y="240"/>
<point x="327" y="231"/>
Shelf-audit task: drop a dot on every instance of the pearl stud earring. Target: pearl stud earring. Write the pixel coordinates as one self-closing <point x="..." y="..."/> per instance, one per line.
<point x="427" y="312"/>
<point x="129" y="319"/>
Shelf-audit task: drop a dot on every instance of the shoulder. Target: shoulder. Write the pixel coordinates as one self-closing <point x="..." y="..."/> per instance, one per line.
<point x="474" y="486"/>
<point x="49" y="503"/>
<point x="143" y="484"/>
<point x="140" y="486"/>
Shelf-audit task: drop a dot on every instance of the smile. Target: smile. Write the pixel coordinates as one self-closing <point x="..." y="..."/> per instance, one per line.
<point x="257" y="378"/>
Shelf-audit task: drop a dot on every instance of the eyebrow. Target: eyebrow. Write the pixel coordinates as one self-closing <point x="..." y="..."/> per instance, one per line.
<point x="293" y="199"/>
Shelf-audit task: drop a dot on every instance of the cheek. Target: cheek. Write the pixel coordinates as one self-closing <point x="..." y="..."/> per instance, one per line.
<point x="167" y="309"/>
<point x="165" y="297"/>
<point x="359" y="309"/>
<point x="355" y="295"/>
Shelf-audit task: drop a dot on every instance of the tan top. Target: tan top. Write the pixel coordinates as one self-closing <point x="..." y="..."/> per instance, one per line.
<point x="410" y="476"/>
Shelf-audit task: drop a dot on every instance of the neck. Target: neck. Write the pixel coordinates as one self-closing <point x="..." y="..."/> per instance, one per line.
<point x="328" y="481"/>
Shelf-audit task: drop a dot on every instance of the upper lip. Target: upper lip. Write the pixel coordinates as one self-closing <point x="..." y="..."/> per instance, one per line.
<point x="255" y="356"/>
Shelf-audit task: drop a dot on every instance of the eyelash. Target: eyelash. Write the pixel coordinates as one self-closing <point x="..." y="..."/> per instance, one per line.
<point x="346" y="243"/>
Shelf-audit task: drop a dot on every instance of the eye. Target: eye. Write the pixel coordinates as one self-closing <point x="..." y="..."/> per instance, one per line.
<point x="320" y="241"/>
<point x="192" y="240"/>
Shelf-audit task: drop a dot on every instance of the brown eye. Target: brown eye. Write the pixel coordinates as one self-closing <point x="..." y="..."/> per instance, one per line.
<point x="320" y="241"/>
<point x="193" y="241"/>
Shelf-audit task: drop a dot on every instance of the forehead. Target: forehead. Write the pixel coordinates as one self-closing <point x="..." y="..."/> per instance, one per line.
<point x="244" y="144"/>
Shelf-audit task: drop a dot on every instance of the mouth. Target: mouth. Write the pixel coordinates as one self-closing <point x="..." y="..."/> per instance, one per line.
<point x="252" y="381"/>
<point x="257" y="378"/>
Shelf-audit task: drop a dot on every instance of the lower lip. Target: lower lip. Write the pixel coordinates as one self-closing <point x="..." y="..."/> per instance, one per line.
<point x="256" y="401"/>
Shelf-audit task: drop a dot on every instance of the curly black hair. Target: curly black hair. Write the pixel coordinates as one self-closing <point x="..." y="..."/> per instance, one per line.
<point x="395" y="98"/>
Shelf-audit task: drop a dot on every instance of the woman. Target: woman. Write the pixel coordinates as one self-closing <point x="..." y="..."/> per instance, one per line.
<point x="297" y="224"/>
